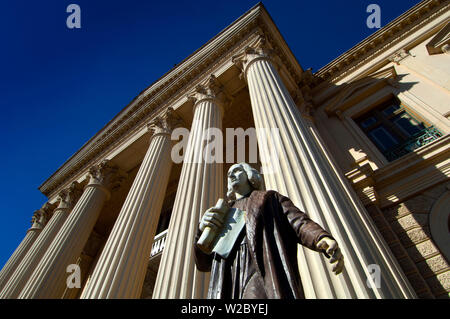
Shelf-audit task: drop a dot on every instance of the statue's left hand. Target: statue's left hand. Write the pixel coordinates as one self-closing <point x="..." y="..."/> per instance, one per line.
<point x="331" y="248"/>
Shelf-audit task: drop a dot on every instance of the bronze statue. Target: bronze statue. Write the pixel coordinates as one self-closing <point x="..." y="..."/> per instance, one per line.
<point x="263" y="261"/>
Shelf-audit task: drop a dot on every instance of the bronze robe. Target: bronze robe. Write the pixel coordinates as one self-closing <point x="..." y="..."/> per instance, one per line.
<point x="263" y="263"/>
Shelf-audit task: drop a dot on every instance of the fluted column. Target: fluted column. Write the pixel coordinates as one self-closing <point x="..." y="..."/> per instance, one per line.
<point x="121" y="268"/>
<point x="38" y="222"/>
<point x="67" y="199"/>
<point x="49" y="278"/>
<point x="199" y="187"/>
<point x="305" y="172"/>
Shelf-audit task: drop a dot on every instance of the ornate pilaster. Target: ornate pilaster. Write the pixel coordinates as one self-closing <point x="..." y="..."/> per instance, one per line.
<point x="305" y="172"/>
<point x="121" y="268"/>
<point x="200" y="185"/>
<point x="67" y="199"/>
<point x="38" y="221"/>
<point x="49" y="278"/>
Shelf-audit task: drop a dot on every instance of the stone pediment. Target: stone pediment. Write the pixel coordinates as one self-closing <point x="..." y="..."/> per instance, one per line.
<point x="352" y="93"/>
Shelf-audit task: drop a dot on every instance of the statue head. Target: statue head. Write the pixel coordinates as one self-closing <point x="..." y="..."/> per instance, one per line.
<point x="242" y="180"/>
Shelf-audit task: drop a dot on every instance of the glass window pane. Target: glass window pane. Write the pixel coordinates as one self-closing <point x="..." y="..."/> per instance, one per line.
<point x="407" y="124"/>
<point x="390" y="109"/>
<point x="368" y="122"/>
<point x="382" y="138"/>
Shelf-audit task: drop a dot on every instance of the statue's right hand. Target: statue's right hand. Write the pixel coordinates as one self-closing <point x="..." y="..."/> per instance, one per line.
<point x="212" y="218"/>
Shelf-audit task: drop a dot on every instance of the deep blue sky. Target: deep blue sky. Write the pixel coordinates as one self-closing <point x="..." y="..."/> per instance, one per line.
<point x="59" y="86"/>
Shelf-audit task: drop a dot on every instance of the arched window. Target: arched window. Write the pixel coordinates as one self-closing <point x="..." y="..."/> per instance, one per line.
<point x="440" y="224"/>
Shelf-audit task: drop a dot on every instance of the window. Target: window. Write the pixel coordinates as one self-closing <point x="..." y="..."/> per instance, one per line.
<point x="394" y="131"/>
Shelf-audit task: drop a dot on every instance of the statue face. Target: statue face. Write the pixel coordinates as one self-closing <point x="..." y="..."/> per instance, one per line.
<point x="237" y="178"/>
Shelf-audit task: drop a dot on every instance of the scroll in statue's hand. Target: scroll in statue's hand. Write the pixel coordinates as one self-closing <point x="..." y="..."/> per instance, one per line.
<point x="330" y="247"/>
<point x="212" y="218"/>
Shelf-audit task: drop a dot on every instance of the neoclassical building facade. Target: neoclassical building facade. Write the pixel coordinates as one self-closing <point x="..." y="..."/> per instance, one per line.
<point x="361" y="145"/>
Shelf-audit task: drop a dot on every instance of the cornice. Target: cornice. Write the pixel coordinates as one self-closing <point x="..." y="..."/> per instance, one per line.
<point x="171" y="87"/>
<point x="382" y="40"/>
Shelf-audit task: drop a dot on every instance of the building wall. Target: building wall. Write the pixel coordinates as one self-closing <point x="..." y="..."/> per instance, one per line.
<point x="401" y="200"/>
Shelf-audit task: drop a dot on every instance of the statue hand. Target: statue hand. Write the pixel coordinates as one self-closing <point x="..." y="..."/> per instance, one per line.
<point x="212" y="218"/>
<point x="331" y="248"/>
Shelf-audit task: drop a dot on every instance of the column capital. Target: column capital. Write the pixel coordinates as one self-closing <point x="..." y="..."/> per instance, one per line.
<point x="69" y="196"/>
<point x="164" y="123"/>
<point x="38" y="220"/>
<point x="258" y="49"/>
<point x="211" y="89"/>
<point x="106" y="176"/>
<point x="41" y="216"/>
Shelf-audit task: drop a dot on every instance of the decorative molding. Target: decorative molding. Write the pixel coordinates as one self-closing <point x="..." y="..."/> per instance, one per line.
<point x="399" y="56"/>
<point x="404" y="177"/>
<point x="414" y="172"/>
<point x="350" y="92"/>
<point x="440" y="42"/>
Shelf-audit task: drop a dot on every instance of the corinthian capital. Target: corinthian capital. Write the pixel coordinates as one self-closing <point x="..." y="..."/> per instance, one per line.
<point x="165" y="123"/>
<point x="106" y="175"/>
<point x="37" y="220"/>
<point x="69" y="196"/>
<point x="258" y="49"/>
<point x="41" y="216"/>
<point x="211" y="90"/>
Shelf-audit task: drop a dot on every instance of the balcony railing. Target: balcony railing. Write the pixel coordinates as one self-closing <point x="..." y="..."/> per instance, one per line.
<point x="414" y="142"/>
<point x="158" y="244"/>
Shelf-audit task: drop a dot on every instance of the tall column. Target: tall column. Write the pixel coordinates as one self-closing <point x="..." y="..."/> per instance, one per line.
<point x="38" y="222"/>
<point x="200" y="185"/>
<point x="49" y="278"/>
<point x="67" y="199"/>
<point x="121" y="268"/>
<point x="305" y="172"/>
